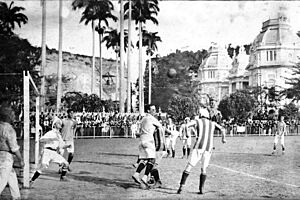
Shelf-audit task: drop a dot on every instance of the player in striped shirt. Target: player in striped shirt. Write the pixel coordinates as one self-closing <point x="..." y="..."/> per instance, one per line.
<point x="202" y="148"/>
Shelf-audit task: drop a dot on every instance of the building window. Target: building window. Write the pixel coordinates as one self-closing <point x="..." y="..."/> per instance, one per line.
<point x="271" y="55"/>
<point x="275" y="55"/>
<point x="267" y="55"/>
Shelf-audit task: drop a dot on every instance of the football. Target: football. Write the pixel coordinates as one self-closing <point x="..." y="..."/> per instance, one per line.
<point x="171" y="73"/>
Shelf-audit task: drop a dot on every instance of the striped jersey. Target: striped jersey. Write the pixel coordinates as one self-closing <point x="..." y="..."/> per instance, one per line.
<point x="159" y="140"/>
<point x="205" y="133"/>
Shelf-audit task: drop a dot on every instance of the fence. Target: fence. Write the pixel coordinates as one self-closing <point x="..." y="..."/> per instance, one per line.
<point x="126" y="132"/>
<point x="103" y="132"/>
<point x="257" y="131"/>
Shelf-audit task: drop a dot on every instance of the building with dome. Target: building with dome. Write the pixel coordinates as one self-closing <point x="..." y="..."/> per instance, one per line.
<point x="238" y="75"/>
<point x="213" y="73"/>
<point x="273" y="53"/>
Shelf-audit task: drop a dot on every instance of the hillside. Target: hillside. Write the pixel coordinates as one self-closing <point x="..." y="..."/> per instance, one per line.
<point x="77" y="70"/>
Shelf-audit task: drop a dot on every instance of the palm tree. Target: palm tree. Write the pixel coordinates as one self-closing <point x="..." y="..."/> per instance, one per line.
<point x="129" y="59"/>
<point x="43" y="55"/>
<point x="59" y="68"/>
<point x="142" y="10"/>
<point x="112" y="39"/>
<point x="78" y="4"/>
<point x="100" y="10"/>
<point x="149" y="40"/>
<point x="9" y="16"/>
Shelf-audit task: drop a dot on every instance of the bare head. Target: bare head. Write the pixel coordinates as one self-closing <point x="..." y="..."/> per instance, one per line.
<point x="7" y="114"/>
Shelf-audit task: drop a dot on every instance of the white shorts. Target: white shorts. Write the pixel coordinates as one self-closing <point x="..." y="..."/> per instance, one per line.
<point x="277" y="138"/>
<point x="51" y="156"/>
<point x="71" y="148"/>
<point x="200" y="155"/>
<point x="187" y="141"/>
<point x="147" y="150"/>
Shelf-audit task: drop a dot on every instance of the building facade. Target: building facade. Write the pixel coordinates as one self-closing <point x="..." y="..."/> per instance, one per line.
<point x="213" y="73"/>
<point x="273" y="54"/>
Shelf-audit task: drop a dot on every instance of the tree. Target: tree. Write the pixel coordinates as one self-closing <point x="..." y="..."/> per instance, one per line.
<point x="16" y="55"/>
<point x="149" y="40"/>
<point x="100" y="10"/>
<point x="293" y="92"/>
<point x="142" y="10"/>
<point x="238" y="105"/>
<point x="290" y="111"/>
<point x="9" y="16"/>
<point x="79" y="4"/>
<point x="112" y="39"/>
<point x="182" y="107"/>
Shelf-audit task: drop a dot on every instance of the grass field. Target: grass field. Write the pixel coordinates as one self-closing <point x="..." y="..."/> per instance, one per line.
<point x="243" y="168"/>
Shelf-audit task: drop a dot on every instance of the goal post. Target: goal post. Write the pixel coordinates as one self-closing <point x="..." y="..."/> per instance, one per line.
<point x="27" y="81"/>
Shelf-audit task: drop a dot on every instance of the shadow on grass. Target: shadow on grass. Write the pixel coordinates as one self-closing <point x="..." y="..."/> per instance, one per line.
<point x="244" y="153"/>
<point x="121" y="165"/>
<point x="118" y="154"/>
<point x="102" y="181"/>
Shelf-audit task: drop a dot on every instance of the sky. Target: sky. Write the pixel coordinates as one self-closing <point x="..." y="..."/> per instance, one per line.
<point x="183" y="25"/>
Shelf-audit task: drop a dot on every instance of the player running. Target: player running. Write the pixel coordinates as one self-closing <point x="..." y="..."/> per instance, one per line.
<point x="52" y="143"/>
<point x="279" y="135"/>
<point x="202" y="148"/>
<point x="147" y="151"/>
<point x="67" y="133"/>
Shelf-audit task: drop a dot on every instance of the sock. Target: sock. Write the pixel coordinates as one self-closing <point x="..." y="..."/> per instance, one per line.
<point x="283" y="148"/>
<point x="70" y="158"/>
<point x="274" y="148"/>
<point x="202" y="181"/>
<point x="188" y="151"/>
<point x="63" y="173"/>
<point x="140" y="167"/>
<point x="138" y="160"/>
<point x="155" y="174"/>
<point x="35" y="176"/>
<point x="183" y="151"/>
<point x="149" y="167"/>
<point x="173" y="153"/>
<point x="183" y="178"/>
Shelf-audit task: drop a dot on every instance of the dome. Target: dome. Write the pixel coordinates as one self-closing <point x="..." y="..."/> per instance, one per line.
<point x="218" y="58"/>
<point x="276" y="31"/>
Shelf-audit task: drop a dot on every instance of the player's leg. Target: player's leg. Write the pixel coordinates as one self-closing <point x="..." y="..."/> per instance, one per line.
<point x="173" y="143"/>
<point x="70" y="151"/>
<point x="183" y="148"/>
<point x="155" y="172"/>
<point x="13" y="185"/>
<point x="205" y="163"/>
<point x="189" y="143"/>
<point x="149" y="167"/>
<point x="282" y="144"/>
<point x="141" y="166"/>
<point x="57" y="158"/>
<point x="45" y="161"/>
<point x="136" y="164"/>
<point x="4" y="175"/>
<point x="168" y="140"/>
<point x="194" y="159"/>
<point x="275" y="143"/>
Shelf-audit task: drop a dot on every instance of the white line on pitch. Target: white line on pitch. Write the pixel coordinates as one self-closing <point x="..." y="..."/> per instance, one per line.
<point x="253" y="176"/>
